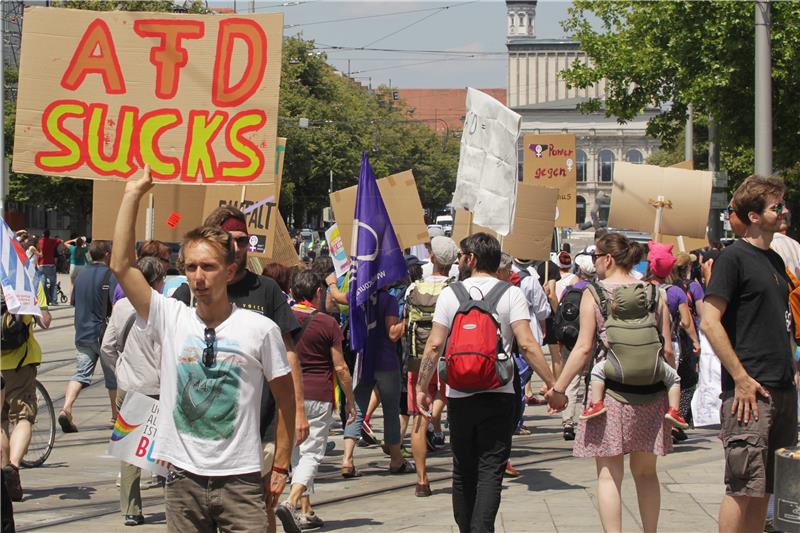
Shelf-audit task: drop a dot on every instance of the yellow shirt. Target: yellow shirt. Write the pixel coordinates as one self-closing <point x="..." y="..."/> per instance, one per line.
<point x="31" y="351"/>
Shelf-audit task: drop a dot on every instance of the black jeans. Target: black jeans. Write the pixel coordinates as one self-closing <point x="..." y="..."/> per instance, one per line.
<point x="480" y="436"/>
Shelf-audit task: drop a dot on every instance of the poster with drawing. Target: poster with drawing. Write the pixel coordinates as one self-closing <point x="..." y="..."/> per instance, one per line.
<point x="135" y="432"/>
<point x="486" y="182"/>
<point x="549" y="161"/>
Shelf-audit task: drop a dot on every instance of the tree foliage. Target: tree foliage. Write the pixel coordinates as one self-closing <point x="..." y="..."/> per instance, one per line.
<point x="345" y="119"/>
<point x="670" y="54"/>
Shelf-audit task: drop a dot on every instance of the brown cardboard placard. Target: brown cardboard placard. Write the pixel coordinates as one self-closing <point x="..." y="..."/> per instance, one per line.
<point x="549" y="161"/>
<point x="99" y="97"/>
<point x="636" y="189"/>
<point x="463" y="226"/>
<point x="284" y="251"/>
<point x="534" y="219"/>
<point x="689" y="243"/>
<point x="533" y="223"/>
<point x="261" y="221"/>
<point x="400" y="195"/>
<point x="169" y="199"/>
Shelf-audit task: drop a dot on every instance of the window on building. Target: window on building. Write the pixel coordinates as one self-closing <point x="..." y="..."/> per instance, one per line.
<point x="511" y="21"/>
<point x="580" y="165"/>
<point x="522" y="20"/>
<point x="605" y="166"/>
<point x="605" y="208"/>
<point x="634" y="156"/>
<point x="580" y="211"/>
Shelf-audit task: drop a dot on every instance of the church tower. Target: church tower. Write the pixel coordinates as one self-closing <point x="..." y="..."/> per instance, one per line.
<point x="521" y="15"/>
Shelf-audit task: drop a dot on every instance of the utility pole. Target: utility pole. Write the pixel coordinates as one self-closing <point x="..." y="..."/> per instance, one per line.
<point x="688" y="141"/>
<point x="763" y="83"/>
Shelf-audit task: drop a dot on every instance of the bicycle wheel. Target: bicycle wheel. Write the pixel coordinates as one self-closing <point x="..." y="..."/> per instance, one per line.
<point x="62" y="297"/>
<point x="43" y="434"/>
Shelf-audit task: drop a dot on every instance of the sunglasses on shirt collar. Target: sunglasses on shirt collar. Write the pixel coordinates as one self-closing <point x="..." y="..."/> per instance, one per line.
<point x="209" y="354"/>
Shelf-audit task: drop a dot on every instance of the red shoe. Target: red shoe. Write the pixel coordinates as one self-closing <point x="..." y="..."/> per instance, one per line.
<point x="675" y="418"/>
<point x="511" y="471"/>
<point x="594" y="409"/>
<point x="534" y="400"/>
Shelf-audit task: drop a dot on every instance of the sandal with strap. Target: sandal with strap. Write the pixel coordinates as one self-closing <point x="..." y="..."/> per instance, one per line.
<point x="349" y="472"/>
<point x="404" y="468"/>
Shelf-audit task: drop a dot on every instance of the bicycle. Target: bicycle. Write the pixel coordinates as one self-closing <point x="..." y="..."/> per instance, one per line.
<point x="60" y="294"/>
<point x="43" y="432"/>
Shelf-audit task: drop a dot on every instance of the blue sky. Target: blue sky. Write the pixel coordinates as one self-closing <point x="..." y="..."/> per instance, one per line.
<point x="465" y="27"/>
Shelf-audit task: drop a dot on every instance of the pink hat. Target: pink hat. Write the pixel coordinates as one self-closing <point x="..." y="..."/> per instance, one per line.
<point x="661" y="259"/>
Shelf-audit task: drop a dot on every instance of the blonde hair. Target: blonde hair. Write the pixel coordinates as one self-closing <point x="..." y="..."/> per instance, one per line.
<point x="218" y="238"/>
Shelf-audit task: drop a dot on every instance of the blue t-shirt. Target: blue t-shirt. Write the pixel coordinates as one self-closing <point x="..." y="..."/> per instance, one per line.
<point x="378" y="343"/>
<point x="87" y="298"/>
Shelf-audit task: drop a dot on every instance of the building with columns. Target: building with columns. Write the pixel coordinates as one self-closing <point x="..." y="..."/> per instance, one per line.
<point x="537" y="92"/>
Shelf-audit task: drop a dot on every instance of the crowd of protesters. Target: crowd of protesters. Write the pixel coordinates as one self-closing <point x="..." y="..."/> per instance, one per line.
<point x="242" y="437"/>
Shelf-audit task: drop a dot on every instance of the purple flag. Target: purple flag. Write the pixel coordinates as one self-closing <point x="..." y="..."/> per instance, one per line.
<point x="377" y="262"/>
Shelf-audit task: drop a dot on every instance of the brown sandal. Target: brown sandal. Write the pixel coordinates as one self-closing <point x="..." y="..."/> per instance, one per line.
<point x="349" y="472"/>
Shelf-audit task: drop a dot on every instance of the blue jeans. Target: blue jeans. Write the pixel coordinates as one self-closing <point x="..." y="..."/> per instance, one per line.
<point x="49" y="273"/>
<point x="85" y="363"/>
<point x="388" y="384"/>
<point x="524" y="374"/>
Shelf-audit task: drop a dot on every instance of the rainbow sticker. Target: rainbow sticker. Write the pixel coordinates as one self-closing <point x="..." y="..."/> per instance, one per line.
<point x="122" y="429"/>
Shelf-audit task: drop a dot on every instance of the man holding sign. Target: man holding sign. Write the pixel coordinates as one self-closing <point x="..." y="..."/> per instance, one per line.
<point x="214" y="358"/>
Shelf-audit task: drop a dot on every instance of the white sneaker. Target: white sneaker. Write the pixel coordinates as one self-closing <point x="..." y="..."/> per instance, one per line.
<point x="289" y="517"/>
<point x="310" y="521"/>
<point x="119" y="479"/>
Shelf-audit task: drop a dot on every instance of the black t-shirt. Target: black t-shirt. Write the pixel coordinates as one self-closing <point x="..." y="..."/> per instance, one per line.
<point x="259" y="294"/>
<point x="757" y="320"/>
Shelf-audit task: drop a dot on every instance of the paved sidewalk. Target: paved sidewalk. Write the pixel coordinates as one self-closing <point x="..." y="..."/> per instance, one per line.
<point x="75" y="490"/>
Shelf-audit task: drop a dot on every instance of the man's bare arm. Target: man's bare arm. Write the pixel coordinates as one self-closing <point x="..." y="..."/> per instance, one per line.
<point x="123" y="254"/>
<point x="532" y="351"/>
<point x="300" y="419"/>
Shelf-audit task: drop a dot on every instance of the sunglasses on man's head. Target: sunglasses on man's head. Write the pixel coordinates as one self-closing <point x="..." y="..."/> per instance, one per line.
<point x="209" y="355"/>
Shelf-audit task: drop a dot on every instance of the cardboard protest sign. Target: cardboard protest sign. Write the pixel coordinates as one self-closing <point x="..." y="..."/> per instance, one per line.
<point x="187" y="202"/>
<point x="686" y="199"/>
<point x="400" y="195"/>
<point x="549" y="160"/>
<point x="135" y="433"/>
<point x="341" y="262"/>
<point x="533" y="223"/>
<point x="486" y="182"/>
<point x="178" y="209"/>
<point x="101" y="93"/>
<point x="284" y="251"/>
<point x="681" y="243"/>
<point x="260" y="205"/>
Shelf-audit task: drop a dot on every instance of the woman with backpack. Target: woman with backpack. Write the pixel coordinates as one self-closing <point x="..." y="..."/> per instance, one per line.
<point x="634" y="423"/>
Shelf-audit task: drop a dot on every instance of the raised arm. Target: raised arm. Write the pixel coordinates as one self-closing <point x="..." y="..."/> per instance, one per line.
<point x="123" y="255"/>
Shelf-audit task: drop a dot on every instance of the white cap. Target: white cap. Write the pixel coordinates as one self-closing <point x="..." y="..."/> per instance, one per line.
<point x="444" y="250"/>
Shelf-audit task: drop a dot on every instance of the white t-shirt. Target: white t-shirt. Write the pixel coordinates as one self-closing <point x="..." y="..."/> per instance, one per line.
<point x="427" y="270"/>
<point x="789" y="250"/>
<point x="565" y="281"/>
<point x="511" y="307"/>
<point x="209" y="421"/>
<point x="137" y="366"/>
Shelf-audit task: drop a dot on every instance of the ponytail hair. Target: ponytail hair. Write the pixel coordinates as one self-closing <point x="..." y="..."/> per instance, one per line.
<point x="626" y="253"/>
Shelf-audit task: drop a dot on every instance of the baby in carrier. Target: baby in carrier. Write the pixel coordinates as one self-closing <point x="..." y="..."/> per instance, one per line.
<point x="633" y="366"/>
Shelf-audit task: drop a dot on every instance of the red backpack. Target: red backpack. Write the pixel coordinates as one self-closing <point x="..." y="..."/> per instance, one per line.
<point x="474" y="359"/>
